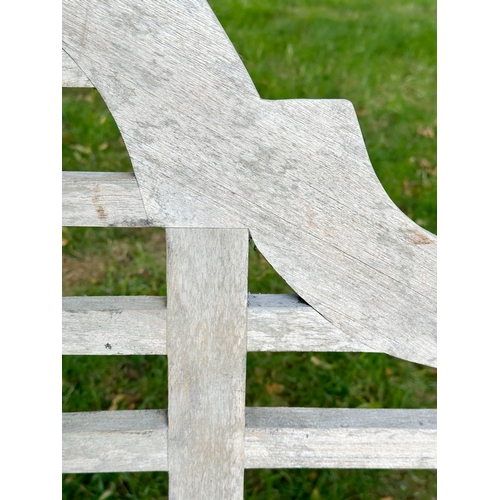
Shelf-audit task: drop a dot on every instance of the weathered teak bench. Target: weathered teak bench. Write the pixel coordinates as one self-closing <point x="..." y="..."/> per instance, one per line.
<point x="213" y="163"/>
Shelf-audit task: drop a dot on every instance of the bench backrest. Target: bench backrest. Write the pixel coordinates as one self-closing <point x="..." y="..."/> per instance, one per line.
<point x="214" y="164"/>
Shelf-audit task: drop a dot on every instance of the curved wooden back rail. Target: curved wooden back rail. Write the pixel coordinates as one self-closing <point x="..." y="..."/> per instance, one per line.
<point x="213" y="163"/>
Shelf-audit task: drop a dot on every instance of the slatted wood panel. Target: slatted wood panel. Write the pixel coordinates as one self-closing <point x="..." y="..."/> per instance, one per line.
<point x="136" y="440"/>
<point x="296" y="173"/>
<point x="276" y="324"/>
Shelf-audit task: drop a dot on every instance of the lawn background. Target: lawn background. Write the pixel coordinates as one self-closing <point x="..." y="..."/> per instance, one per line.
<point x="381" y="55"/>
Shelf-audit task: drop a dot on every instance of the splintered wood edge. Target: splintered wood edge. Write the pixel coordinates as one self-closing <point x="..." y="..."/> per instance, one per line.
<point x="136" y="440"/>
<point x="137" y="325"/>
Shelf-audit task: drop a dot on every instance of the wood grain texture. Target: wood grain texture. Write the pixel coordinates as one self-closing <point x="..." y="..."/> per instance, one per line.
<point x="114" y="325"/>
<point x="72" y="75"/>
<point x="283" y="322"/>
<point x="137" y="325"/>
<point x="131" y="440"/>
<point x="114" y="441"/>
<point x="102" y="199"/>
<point x="295" y="172"/>
<point x="340" y="438"/>
<point x="207" y="272"/>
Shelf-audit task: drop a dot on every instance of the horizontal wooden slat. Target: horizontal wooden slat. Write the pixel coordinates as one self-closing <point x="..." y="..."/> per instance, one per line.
<point x="340" y="438"/>
<point x="137" y="325"/>
<point x="115" y="441"/>
<point x="102" y="199"/>
<point x="283" y="322"/>
<point x="114" y="325"/>
<point x="72" y="75"/>
<point x="136" y="440"/>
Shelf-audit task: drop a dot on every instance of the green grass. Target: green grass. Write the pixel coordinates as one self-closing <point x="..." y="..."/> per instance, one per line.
<point x="382" y="56"/>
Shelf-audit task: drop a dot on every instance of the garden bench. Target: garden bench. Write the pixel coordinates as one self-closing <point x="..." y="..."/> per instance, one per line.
<point x="214" y="164"/>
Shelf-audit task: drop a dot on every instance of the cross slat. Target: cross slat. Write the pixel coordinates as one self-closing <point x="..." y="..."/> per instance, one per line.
<point x="137" y="325"/>
<point x="136" y="440"/>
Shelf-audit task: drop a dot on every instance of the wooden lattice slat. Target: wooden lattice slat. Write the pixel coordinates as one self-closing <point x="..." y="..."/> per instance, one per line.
<point x="136" y="440"/>
<point x="137" y="325"/>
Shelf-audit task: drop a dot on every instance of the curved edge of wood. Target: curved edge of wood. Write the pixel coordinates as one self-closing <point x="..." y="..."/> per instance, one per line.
<point x="72" y="74"/>
<point x="381" y="285"/>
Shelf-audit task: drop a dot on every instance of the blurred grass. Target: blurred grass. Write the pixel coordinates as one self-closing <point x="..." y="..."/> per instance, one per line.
<point x="381" y="55"/>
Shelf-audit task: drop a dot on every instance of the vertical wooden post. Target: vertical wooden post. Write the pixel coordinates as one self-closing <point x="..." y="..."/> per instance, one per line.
<point x="207" y="323"/>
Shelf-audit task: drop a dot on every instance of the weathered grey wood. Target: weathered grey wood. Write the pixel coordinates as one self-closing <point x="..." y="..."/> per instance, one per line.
<point x="340" y="438"/>
<point x="283" y="322"/>
<point x="114" y="325"/>
<point x="115" y="441"/>
<point x="207" y="272"/>
<point x="105" y="199"/>
<point x="136" y="440"/>
<point x="72" y="75"/>
<point x="102" y="199"/>
<point x="295" y="172"/>
<point x="136" y="325"/>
